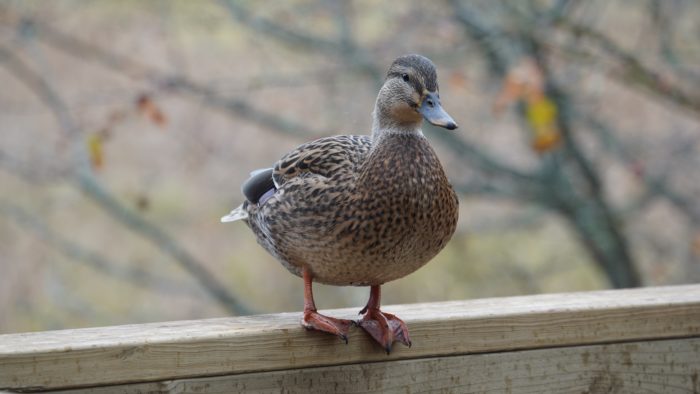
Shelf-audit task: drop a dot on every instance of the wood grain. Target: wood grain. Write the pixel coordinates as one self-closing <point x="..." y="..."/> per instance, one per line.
<point x="172" y="350"/>
<point x="667" y="366"/>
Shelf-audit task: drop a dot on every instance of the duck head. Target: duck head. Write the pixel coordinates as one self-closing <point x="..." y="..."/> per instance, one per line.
<point x="410" y="94"/>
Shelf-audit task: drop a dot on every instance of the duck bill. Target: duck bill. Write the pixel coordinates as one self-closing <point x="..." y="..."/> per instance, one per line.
<point x="432" y="112"/>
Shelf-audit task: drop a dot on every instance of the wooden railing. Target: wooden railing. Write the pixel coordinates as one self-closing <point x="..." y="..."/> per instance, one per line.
<point x="632" y="341"/>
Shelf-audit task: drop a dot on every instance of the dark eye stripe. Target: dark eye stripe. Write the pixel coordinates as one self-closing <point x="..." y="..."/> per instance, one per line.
<point x="413" y="81"/>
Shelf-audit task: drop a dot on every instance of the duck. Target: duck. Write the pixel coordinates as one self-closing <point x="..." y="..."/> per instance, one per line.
<point x="360" y="210"/>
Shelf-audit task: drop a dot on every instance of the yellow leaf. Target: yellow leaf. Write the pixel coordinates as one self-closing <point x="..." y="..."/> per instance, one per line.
<point x="541" y="114"/>
<point x="94" y="143"/>
<point x="522" y="81"/>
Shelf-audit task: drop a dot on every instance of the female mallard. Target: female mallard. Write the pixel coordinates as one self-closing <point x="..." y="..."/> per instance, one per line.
<point x="360" y="210"/>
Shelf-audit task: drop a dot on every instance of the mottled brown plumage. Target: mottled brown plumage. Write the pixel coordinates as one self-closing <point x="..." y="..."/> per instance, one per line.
<point x="362" y="210"/>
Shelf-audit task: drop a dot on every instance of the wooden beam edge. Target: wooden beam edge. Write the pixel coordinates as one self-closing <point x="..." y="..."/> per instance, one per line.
<point x="161" y="351"/>
<point x="666" y="365"/>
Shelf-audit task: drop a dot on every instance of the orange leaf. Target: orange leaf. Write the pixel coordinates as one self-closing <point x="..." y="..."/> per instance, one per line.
<point x="523" y="81"/>
<point x="458" y="79"/>
<point x="148" y="108"/>
<point x="696" y="245"/>
<point x="511" y="91"/>
<point x="546" y="141"/>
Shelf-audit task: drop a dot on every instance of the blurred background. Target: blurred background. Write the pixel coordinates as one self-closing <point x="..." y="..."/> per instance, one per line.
<point x="127" y="127"/>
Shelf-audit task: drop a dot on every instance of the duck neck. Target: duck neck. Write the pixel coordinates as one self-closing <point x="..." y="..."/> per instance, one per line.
<point x="384" y="125"/>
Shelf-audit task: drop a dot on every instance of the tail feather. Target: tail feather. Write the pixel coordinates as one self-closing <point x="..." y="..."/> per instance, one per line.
<point x="237" y="214"/>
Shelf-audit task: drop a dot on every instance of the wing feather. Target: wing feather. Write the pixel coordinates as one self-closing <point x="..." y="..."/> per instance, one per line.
<point x="325" y="157"/>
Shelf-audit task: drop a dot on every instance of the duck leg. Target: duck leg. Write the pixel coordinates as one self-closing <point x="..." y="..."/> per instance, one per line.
<point x="312" y="320"/>
<point x="384" y="327"/>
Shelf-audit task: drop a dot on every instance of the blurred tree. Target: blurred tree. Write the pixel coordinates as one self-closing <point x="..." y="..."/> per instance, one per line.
<point x="559" y="69"/>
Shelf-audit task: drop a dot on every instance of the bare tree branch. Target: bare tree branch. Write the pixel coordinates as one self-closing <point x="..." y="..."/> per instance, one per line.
<point x="634" y="72"/>
<point x="30" y="174"/>
<point x="86" y="181"/>
<point x="97" y="261"/>
<point x="486" y="37"/>
<point x="570" y="181"/>
<point x="161" y="80"/>
<point x="347" y="49"/>
<point x="598" y="225"/>
<point x="657" y="186"/>
<point x="664" y="15"/>
<point x="241" y="108"/>
<point x="487" y="163"/>
<point x="344" y="47"/>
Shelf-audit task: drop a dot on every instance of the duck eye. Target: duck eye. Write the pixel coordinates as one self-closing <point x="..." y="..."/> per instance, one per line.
<point x="405" y="77"/>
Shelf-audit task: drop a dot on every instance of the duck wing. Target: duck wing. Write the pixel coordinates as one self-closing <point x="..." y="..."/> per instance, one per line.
<point x="326" y="157"/>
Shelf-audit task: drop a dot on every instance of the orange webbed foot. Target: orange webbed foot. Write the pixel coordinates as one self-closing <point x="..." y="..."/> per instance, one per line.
<point x="383" y="327"/>
<point x="313" y="320"/>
